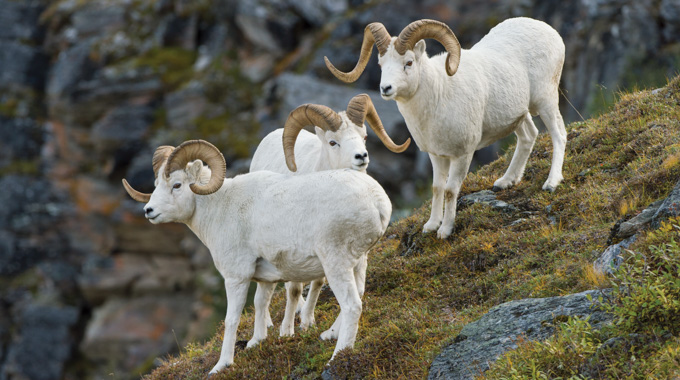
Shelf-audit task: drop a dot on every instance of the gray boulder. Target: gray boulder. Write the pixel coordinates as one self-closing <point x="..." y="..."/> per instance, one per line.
<point x="669" y="208"/>
<point x="44" y="343"/>
<point x="486" y="197"/>
<point x="483" y="341"/>
<point x="640" y="221"/>
<point x="611" y="258"/>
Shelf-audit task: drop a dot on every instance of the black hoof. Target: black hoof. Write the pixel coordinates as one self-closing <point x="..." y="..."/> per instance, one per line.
<point x="496" y="189"/>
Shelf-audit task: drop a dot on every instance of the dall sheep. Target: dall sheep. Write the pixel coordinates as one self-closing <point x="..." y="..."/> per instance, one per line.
<point x="270" y="227"/>
<point x="508" y="76"/>
<point x="339" y="145"/>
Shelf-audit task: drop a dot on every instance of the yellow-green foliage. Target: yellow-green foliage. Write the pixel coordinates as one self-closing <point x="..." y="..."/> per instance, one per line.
<point x="420" y="291"/>
<point x="559" y="357"/>
<point x="646" y="289"/>
<point x="643" y="342"/>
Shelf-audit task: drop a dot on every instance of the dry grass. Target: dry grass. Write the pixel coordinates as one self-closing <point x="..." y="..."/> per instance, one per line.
<point x="615" y="166"/>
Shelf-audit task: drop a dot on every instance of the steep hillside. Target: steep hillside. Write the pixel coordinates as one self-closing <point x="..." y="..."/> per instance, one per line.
<point x="420" y="291"/>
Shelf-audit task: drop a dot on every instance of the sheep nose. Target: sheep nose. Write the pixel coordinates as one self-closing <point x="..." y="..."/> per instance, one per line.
<point x="361" y="157"/>
<point x="385" y="89"/>
<point x="148" y="210"/>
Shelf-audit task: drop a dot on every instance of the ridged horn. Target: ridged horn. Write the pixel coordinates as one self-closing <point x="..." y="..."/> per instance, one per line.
<point x="306" y="114"/>
<point x="160" y="155"/>
<point x="361" y="108"/>
<point x="199" y="150"/>
<point x="436" y="30"/>
<point x="134" y="194"/>
<point x="374" y="33"/>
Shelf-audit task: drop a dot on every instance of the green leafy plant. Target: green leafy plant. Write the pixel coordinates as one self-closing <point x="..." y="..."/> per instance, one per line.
<point x="558" y="357"/>
<point x="646" y="289"/>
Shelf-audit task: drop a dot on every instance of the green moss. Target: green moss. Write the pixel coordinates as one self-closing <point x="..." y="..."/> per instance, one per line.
<point x="420" y="291"/>
<point x="174" y="65"/>
<point x="27" y="167"/>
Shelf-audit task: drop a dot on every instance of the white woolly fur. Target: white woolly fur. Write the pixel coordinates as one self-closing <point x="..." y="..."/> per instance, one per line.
<point x="344" y="148"/>
<point x="271" y="227"/>
<point x="508" y="76"/>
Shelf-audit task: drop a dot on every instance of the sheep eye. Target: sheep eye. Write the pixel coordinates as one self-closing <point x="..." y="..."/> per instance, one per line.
<point x="333" y="143"/>
<point x="177" y="186"/>
<point x="409" y="63"/>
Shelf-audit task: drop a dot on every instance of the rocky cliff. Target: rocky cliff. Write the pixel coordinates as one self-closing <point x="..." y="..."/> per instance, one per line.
<point x="89" y="288"/>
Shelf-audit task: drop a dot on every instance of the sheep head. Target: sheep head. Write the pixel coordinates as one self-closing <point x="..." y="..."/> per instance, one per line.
<point x="398" y="56"/>
<point x="183" y="177"/>
<point x="343" y="135"/>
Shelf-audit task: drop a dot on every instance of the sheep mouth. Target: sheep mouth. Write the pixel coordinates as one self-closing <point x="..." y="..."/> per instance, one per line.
<point x="153" y="217"/>
<point x="388" y="96"/>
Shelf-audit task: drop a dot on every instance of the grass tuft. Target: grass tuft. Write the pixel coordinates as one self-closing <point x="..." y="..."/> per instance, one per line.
<point x="420" y="291"/>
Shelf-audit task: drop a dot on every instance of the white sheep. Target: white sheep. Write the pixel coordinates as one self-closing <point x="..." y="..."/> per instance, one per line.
<point x="508" y="76"/>
<point x="339" y="145"/>
<point x="270" y="227"/>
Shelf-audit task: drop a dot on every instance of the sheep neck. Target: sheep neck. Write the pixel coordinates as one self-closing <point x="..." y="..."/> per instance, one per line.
<point x="205" y="222"/>
<point x="324" y="161"/>
<point x="422" y="107"/>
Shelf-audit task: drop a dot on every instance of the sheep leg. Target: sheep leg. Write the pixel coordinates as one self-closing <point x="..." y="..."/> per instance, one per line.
<point x="343" y="284"/>
<point x="300" y="301"/>
<point x="457" y="172"/>
<point x="307" y="313"/>
<point x="360" y="280"/>
<point x="526" y="136"/>
<point x="237" y="292"/>
<point x="558" y="134"/>
<point x="263" y="296"/>
<point x="360" y="274"/>
<point x="293" y="291"/>
<point x="440" y="168"/>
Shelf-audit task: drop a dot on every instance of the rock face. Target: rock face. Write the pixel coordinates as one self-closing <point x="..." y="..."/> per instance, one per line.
<point x="651" y="217"/>
<point x="611" y="259"/>
<point x="497" y="331"/>
<point x="670" y="207"/>
<point x="91" y="88"/>
<point x="486" y="197"/>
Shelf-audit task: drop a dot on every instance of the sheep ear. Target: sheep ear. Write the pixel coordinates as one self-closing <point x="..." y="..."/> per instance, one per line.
<point x="419" y="49"/>
<point x="321" y="134"/>
<point x="194" y="170"/>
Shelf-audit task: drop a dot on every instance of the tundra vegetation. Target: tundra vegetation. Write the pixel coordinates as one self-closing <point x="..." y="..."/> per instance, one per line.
<point x="420" y="290"/>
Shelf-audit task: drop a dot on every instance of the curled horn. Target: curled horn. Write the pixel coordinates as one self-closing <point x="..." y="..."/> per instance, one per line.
<point x="199" y="150"/>
<point x="159" y="157"/>
<point x="306" y="114"/>
<point x="134" y="194"/>
<point x="374" y="33"/>
<point x="361" y="108"/>
<point x="436" y="30"/>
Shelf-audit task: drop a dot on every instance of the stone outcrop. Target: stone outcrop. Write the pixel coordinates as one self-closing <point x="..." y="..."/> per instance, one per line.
<point x="612" y="258"/>
<point x="483" y="341"/>
<point x="651" y="217"/>
<point x="486" y="197"/>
